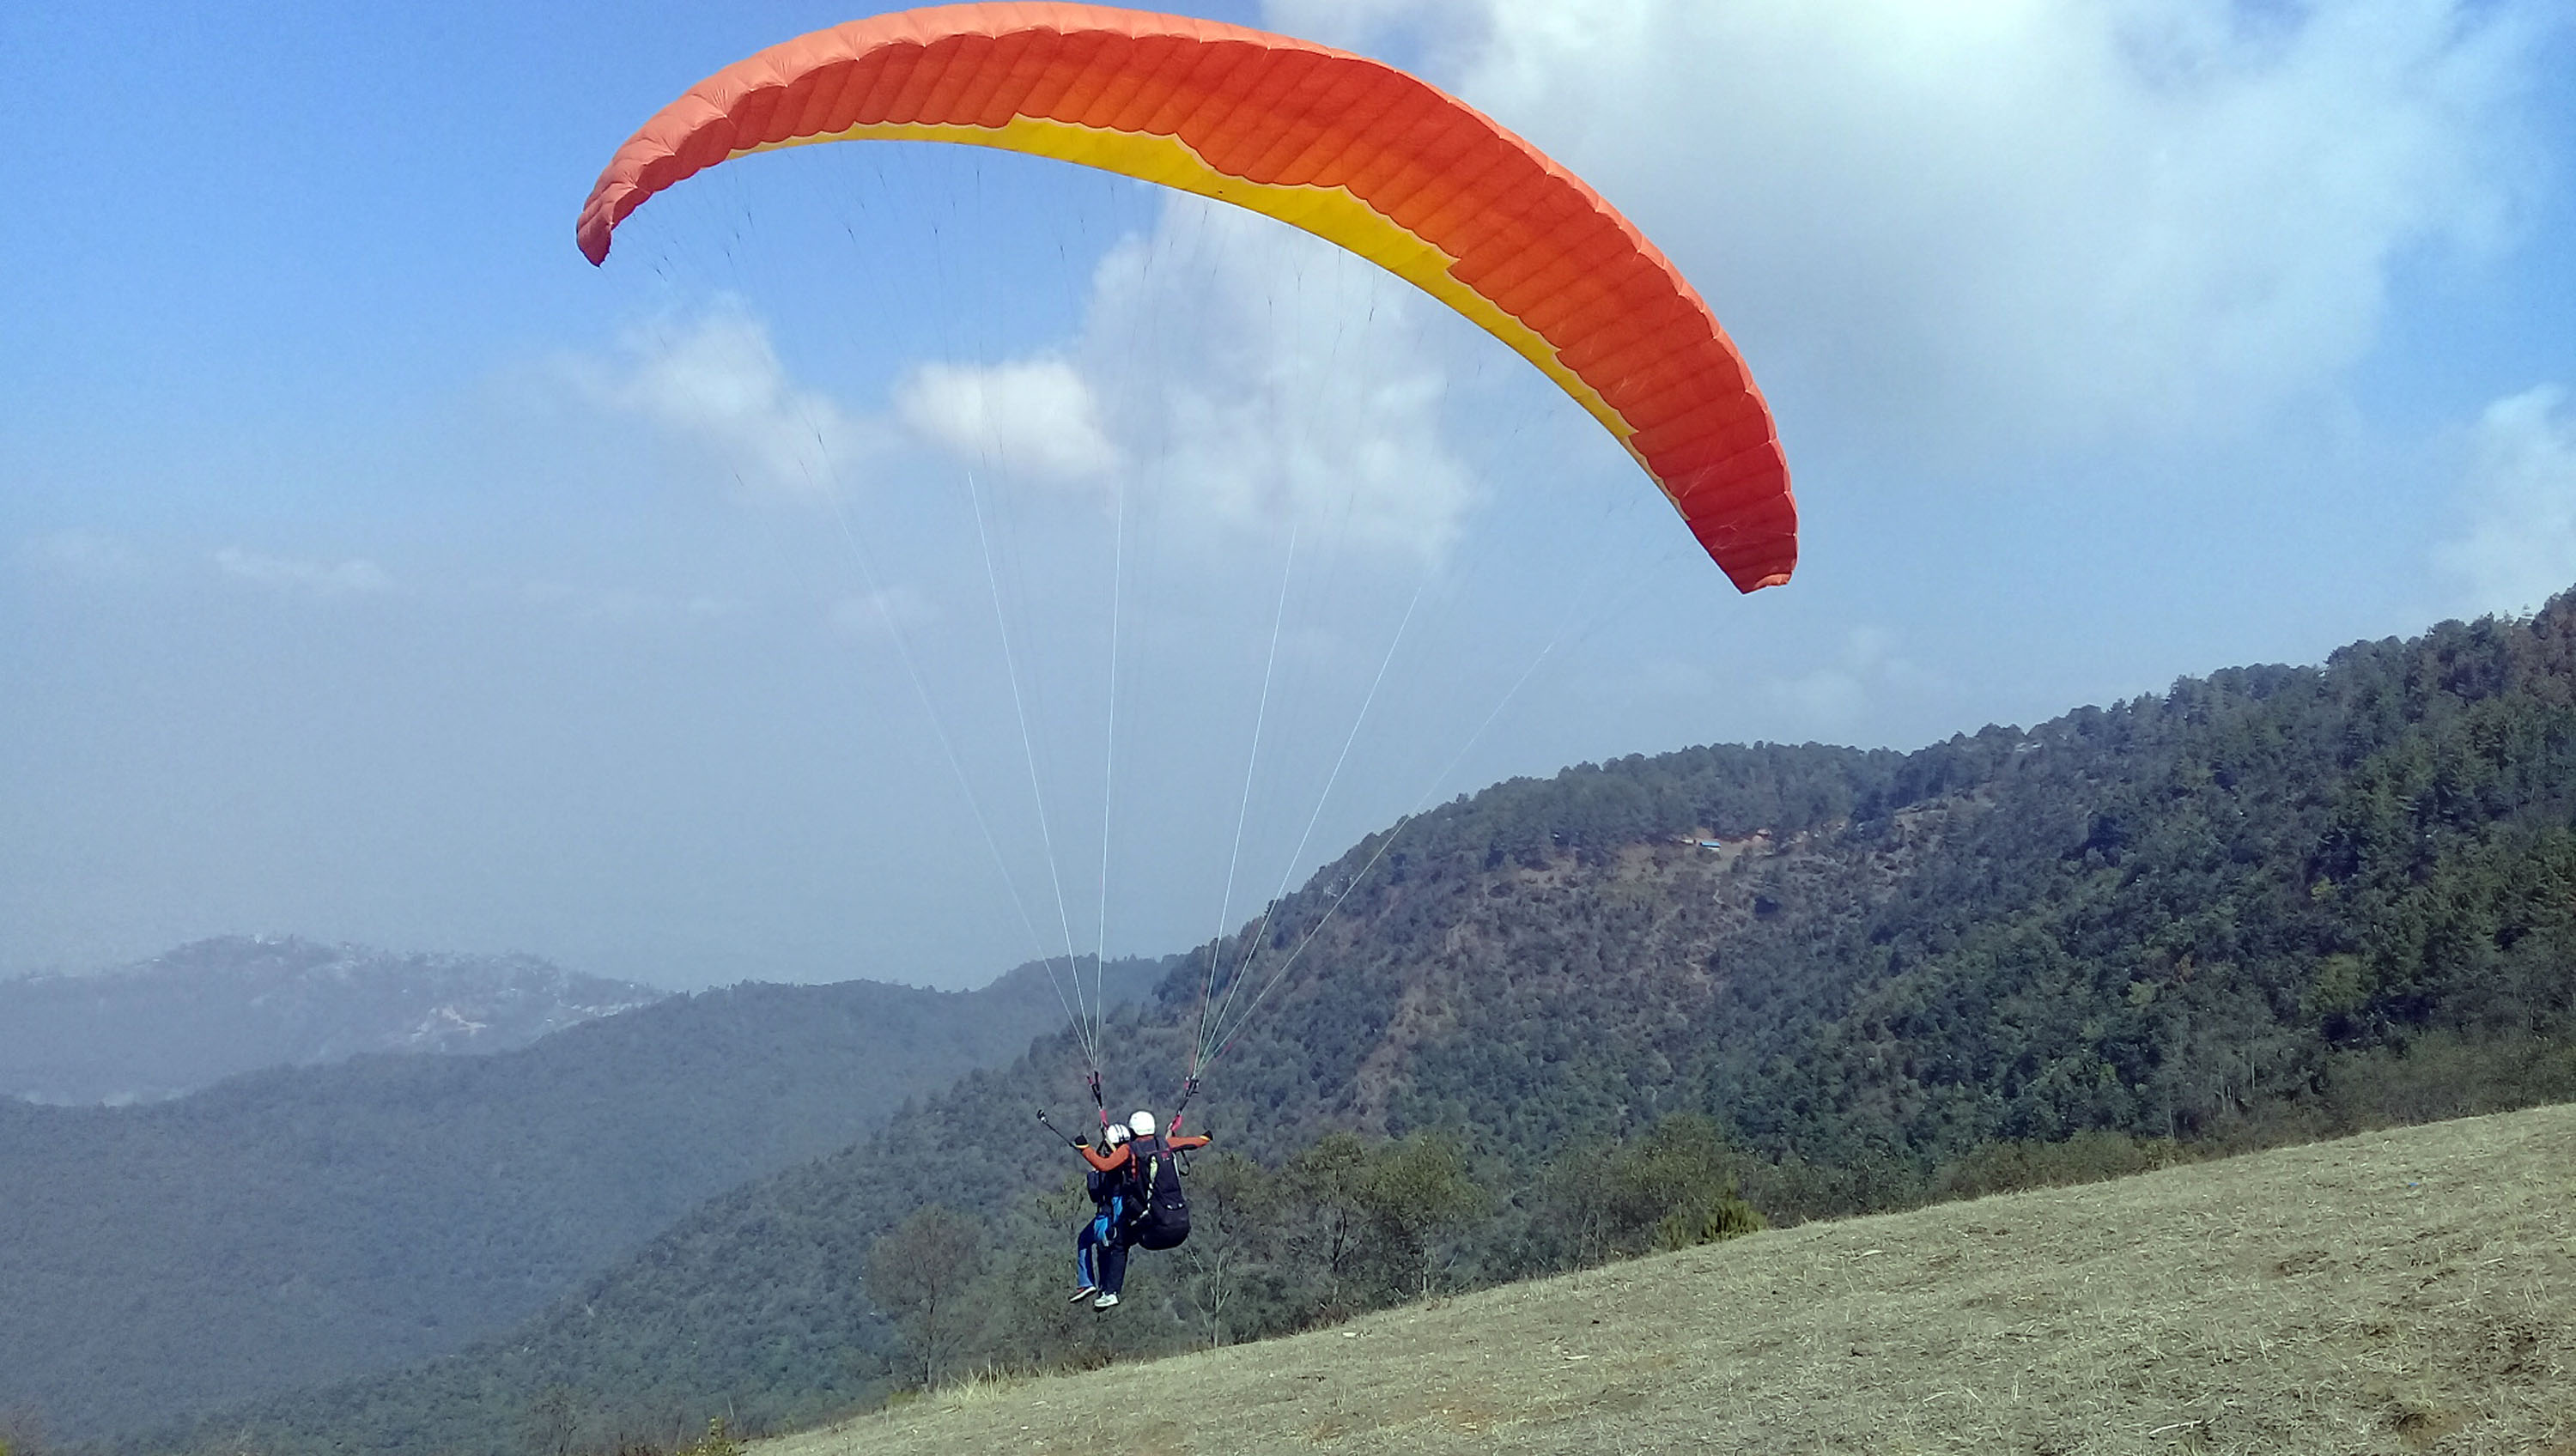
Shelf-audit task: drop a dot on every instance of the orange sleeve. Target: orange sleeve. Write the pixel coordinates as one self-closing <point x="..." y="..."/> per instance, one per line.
<point x="1116" y="1160"/>
<point x="1184" y="1144"/>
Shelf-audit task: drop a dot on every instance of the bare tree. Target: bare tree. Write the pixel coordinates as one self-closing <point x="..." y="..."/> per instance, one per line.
<point x="1233" y="1198"/>
<point x="1328" y="1185"/>
<point x="919" y="1275"/>
<point x="551" y="1423"/>
<point x="21" y="1434"/>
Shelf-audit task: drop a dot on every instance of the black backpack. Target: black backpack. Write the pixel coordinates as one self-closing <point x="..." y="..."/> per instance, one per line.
<point x="1163" y="1222"/>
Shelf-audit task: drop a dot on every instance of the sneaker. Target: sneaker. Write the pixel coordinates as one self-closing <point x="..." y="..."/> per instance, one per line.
<point x="1079" y="1295"/>
<point x="1104" y="1301"/>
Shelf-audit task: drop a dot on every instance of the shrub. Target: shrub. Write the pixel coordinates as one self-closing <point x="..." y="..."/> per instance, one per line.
<point x="1728" y="1217"/>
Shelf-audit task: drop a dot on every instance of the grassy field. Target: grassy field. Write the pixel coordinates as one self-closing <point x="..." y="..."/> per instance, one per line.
<point x="2412" y="1291"/>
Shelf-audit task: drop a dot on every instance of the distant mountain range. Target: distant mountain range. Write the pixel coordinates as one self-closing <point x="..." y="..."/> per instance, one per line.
<point x="306" y="1223"/>
<point x="2270" y="904"/>
<point x="218" y="1008"/>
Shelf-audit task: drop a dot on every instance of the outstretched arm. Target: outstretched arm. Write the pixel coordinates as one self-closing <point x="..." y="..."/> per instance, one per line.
<point x="1111" y="1162"/>
<point x="1184" y="1144"/>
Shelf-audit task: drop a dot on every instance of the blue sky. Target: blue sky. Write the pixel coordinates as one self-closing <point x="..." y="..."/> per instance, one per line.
<point x="371" y="567"/>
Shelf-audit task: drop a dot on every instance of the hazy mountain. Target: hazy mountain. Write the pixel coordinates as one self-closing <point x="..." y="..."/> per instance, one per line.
<point x="308" y="1223"/>
<point x="2269" y="904"/>
<point x="210" y="1010"/>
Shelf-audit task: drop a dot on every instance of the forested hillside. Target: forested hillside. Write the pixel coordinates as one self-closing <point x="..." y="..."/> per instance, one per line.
<point x="218" y="1008"/>
<point x="2266" y="905"/>
<point x="308" y="1224"/>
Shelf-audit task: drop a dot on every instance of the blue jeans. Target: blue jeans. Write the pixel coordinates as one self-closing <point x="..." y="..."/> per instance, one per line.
<point x="1099" y="1255"/>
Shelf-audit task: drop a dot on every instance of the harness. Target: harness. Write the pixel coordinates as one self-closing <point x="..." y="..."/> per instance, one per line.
<point x="1162" y="1218"/>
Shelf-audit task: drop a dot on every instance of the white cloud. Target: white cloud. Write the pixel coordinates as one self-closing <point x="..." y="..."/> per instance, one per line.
<point x="1438" y="35"/>
<point x="354" y="576"/>
<point x="2521" y="486"/>
<point x="1291" y="386"/>
<point x="1247" y="377"/>
<point x="1980" y="229"/>
<point x="1837" y="697"/>
<point x="718" y="382"/>
<point x="1034" y="415"/>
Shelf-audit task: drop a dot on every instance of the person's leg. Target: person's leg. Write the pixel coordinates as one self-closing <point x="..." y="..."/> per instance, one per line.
<point x="1113" y="1265"/>
<point x="1112" y="1258"/>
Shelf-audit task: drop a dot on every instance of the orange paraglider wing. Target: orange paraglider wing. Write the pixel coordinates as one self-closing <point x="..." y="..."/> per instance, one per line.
<point x="1349" y="149"/>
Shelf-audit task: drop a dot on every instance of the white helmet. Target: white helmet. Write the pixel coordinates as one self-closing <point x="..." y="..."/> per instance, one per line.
<point x="1116" y="1134"/>
<point x="1143" y="1123"/>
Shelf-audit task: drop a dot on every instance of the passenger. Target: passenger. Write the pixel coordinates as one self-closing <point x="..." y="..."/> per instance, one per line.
<point x="1109" y="1205"/>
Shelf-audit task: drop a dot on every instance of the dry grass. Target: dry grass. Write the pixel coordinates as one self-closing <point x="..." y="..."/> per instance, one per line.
<point x="2402" y="1292"/>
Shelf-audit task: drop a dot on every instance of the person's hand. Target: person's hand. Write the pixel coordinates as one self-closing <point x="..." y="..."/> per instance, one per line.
<point x="1077" y="1142"/>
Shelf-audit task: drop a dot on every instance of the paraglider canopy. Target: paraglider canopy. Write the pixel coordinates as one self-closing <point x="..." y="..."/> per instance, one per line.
<point x="1355" y="151"/>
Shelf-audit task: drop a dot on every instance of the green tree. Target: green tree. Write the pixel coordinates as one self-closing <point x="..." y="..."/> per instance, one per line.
<point x="1676" y="1186"/>
<point x="1420" y="1195"/>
